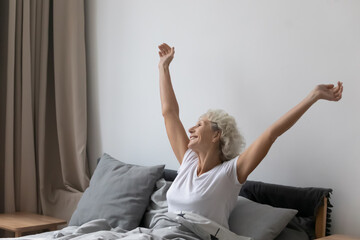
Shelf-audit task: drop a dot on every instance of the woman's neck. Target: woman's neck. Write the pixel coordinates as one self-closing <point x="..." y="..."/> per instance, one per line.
<point x="208" y="160"/>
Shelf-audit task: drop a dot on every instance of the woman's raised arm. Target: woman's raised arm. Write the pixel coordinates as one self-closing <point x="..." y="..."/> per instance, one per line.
<point x="256" y="152"/>
<point x="169" y="106"/>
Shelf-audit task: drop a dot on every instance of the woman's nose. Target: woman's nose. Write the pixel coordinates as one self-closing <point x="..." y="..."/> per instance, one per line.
<point x="191" y="130"/>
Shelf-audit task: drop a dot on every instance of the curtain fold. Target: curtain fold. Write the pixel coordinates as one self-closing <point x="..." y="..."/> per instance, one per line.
<point x="4" y="17"/>
<point x="45" y="167"/>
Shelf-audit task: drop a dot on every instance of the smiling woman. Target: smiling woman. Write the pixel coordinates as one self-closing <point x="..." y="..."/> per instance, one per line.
<point x="212" y="171"/>
<point x="231" y="140"/>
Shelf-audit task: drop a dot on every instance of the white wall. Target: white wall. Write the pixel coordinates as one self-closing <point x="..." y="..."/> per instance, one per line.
<point x="255" y="59"/>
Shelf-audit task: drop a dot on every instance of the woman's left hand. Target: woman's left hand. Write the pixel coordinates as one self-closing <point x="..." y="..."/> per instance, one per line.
<point x="328" y="92"/>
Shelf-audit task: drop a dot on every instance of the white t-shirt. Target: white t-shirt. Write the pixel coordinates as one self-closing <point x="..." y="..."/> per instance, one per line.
<point x="213" y="194"/>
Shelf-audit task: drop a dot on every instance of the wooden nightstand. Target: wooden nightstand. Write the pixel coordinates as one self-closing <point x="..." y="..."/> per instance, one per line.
<point x="338" y="237"/>
<point x="21" y="222"/>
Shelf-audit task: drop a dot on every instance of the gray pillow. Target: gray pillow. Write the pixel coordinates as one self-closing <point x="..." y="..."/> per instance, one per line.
<point x="292" y="234"/>
<point x="118" y="192"/>
<point x="259" y="221"/>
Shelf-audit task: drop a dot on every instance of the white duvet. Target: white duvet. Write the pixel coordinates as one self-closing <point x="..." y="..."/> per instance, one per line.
<point x="187" y="226"/>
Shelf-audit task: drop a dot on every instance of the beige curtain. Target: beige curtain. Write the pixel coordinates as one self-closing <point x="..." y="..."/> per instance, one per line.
<point x="44" y="107"/>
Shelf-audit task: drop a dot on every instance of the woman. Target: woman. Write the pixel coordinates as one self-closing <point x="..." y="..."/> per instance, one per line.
<point x="211" y="173"/>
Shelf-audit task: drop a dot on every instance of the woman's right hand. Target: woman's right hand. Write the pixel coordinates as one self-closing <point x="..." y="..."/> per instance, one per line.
<point x="166" y="54"/>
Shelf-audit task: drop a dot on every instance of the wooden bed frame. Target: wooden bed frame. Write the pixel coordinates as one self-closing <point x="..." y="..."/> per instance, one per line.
<point x="320" y="223"/>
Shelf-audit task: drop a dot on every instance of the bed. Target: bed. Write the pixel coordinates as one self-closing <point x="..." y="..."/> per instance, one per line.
<point x="313" y="219"/>
<point x="125" y="201"/>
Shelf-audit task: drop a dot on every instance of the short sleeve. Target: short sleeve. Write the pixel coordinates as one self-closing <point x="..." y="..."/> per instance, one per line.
<point x="231" y="171"/>
<point x="189" y="157"/>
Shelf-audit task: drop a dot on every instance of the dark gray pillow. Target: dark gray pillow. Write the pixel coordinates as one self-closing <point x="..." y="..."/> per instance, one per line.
<point x="259" y="221"/>
<point x="118" y="192"/>
<point x="291" y="234"/>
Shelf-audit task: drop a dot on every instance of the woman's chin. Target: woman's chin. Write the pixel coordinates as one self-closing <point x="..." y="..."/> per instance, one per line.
<point x="191" y="145"/>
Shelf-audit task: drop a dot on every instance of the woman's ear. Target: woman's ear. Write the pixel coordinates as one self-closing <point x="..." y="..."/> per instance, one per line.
<point x="216" y="136"/>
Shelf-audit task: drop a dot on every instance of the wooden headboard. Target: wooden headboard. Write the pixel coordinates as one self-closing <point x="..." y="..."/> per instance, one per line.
<point x="320" y="223"/>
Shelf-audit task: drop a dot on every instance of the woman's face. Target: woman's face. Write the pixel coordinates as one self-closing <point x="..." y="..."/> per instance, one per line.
<point x="201" y="135"/>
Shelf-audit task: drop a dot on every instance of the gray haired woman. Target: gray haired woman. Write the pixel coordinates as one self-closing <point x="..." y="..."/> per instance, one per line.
<point x="211" y="170"/>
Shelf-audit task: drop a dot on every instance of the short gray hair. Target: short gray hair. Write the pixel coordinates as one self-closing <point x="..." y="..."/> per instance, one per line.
<point x="231" y="140"/>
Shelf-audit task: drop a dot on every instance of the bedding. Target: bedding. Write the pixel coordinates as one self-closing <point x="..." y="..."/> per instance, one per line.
<point x="158" y="203"/>
<point x="187" y="226"/>
<point x="103" y="200"/>
<point x="249" y="218"/>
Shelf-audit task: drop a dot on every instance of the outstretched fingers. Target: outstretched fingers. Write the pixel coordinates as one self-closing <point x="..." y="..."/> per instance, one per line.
<point x="329" y="86"/>
<point x="338" y="91"/>
<point x="338" y="88"/>
<point x="330" y="92"/>
<point x="166" y="49"/>
<point x="162" y="49"/>
<point x="338" y="97"/>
